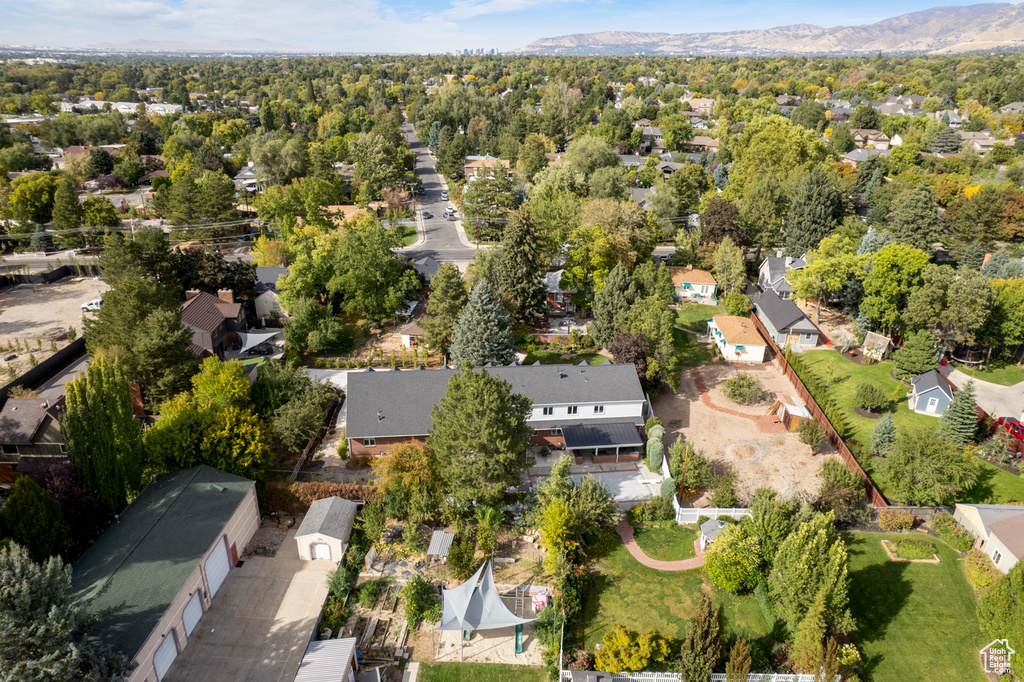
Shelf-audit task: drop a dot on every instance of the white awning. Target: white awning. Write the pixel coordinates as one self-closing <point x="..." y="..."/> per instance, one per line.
<point x="472" y="607"/>
<point x="252" y="339"/>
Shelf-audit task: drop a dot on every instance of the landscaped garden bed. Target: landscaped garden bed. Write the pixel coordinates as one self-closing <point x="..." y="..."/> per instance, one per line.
<point x="913" y="549"/>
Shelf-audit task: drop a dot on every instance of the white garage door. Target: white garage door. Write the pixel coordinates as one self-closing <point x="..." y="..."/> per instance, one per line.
<point x="217" y="566"/>
<point x="165" y="655"/>
<point x="321" y="551"/>
<point x="193" y="612"/>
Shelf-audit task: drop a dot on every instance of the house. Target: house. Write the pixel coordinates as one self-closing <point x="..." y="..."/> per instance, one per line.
<point x="475" y="165"/>
<point x="737" y="339"/>
<point x="631" y="162"/>
<point x="79" y="151"/>
<point x="667" y="168"/>
<point x="652" y="138"/>
<point x="426" y="268"/>
<point x="709" y="532"/>
<point x="930" y="393"/>
<point x="869" y="137"/>
<point x="702" y="105"/>
<point x="998" y="530"/>
<point x="876" y="346"/>
<point x="250" y="179"/>
<point x="30" y="428"/>
<point x="950" y="117"/>
<point x="1012" y="108"/>
<point x="324" y="532"/>
<point x="785" y="322"/>
<point x="412" y="333"/>
<point x="157" y="569"/>
<point x="771" y="274"/>
<point x="642" y="196"/>
<point x="586" y="409"/>
<point x="329" y="660"/>
<point x="692" y="283"/>
<point x="212" y="319"/>
<point x="702" y="143"/>
<point x="266" y="302"/>
<point x="559" y="299"/>
<point x="983" y="142"/>
<point x="855" y="156"/>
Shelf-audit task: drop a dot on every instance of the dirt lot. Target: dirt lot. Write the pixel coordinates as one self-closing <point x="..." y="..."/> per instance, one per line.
<point x="776" y="460"/>
<point x="43" y="312"/>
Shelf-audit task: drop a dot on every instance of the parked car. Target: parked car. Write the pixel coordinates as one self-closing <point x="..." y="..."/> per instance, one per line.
<point x="1014" y="426"/>
<point x="427" y="215"/>
<point x="444" y="195"/>
<point x="449" y="215"/>
<point x="93" y="305"/>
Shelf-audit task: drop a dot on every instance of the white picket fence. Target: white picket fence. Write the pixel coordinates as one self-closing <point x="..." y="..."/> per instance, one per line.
<point x="690" y="515"/>
<point x="715" y="677"/>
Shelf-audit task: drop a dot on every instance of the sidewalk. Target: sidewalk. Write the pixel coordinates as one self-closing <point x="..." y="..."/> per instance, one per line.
<point x="625" y="531"/>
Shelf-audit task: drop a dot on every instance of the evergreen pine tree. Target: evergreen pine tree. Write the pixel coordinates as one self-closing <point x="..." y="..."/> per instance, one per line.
<point x="447" y="299"/>
<point x="67" y="214"/>
<point x="883" y="435"/>
<point x="818" y="208"/>
<point x="960" y="420"/>
<point x="807" y="646"/>
<point x="483" y="331"/>
<point x="974" y="255"/>
<point x="917" y="355"/>
<point x="915" y="220"/>
<point x="946" y="142"/>
<point x="738" y="667"/>
<point x="40" y="239"/>
<point x="613" y="306"/>
<point x="33" y="518"/>
<point x="520" y="268"/>
<point x="702" y="647"/>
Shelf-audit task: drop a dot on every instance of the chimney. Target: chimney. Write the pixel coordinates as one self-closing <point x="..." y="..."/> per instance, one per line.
<point x="191" y="293"/>
<point x="226" y="295"/>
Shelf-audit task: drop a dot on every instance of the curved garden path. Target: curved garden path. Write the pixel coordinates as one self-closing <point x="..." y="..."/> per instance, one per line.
<point x="625" y="531"/>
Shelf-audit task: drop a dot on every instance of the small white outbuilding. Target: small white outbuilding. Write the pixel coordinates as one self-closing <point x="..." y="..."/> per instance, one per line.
<point x="324" y="532"/>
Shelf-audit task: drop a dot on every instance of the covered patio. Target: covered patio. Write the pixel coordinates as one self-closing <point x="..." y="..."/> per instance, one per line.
<point x="606" y="443"/>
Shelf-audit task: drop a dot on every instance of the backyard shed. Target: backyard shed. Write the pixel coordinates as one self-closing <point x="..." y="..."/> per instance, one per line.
<point x="329" y="660"/>
<point x="930" y="393"/>
<point x="790" y="410"/>
<point x="709" y="531"/>
<point x="440" y="543"/>
<point x="324" y="533"/>
<point x="876" y="346"/>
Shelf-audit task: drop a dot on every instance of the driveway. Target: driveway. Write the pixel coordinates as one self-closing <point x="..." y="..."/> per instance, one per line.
<point x="260" y="621"/>
<point x="998" y="401"/>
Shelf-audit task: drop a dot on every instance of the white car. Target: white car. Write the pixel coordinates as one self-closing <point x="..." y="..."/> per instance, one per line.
<point x="92" y="305"/>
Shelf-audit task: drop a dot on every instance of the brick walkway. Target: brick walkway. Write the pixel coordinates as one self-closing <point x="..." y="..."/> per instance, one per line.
<point x="625" y="531"/>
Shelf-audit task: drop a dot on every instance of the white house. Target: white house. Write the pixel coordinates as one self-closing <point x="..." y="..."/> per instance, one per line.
<point x="737" y="338"/>
<point x="998" y="530"/>
<point x="325" y="530"/>
<point x="266" y="302"/>
<point x="930" y="394"/>
<point x="692" y="283"/>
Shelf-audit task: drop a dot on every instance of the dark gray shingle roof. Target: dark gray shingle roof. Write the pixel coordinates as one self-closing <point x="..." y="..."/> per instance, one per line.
<point x="331" y="516"/>
<point x="782" y="313"/>
<point x="930" y="380"/>
<point x="141" y="562"/>
<point x="267" y="277"/>
<point x="384" y="404"/>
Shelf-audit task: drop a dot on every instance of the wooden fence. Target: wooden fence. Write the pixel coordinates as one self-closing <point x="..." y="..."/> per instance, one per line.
<point x="877" y="499"/>
<point x="329" y="416"/>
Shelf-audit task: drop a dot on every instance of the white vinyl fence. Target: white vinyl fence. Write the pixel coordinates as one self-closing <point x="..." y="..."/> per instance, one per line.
<point x="715" y="677"/>
<point x="690" y="515"/>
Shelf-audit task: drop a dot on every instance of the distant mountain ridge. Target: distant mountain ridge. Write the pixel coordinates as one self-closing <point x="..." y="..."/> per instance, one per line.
<point x="248" y="45"/>
<point x="939" y="30"/>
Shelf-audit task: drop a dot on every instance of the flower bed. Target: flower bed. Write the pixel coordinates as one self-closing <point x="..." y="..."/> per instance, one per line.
<point x="911" y="549"/>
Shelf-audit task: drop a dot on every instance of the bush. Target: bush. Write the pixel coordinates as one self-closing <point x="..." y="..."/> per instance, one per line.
<point x="723" y="491"/>
<point x="307" y="492"/>
<point x="894" y="520"/>
<point x="871" y="397"/>
<point x="955" y="535"/>
<point x="914" y="548"/>
<point x="462" y="558"/>
<point x="668" y="490"/>
<point x="981" y="572"/>
<point x="343" y="448"/>
<point x="733" y="560"/>
<point x="333" y="615"/>
<point x="369" y="592"/>
<point x="736" y="303"/>
<point x="655" y="455"/>
<point x="420" y="601"/>
<point x="811" y="433"/>
<point x="651" y="423"/>
<point x="743" y="389"/>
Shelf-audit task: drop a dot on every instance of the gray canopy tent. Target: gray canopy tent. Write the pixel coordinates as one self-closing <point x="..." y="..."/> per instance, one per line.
<point x="252" y="339"/>
<point x="478" y="607"/>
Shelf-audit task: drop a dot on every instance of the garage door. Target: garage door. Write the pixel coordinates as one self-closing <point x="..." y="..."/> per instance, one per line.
<point x="217" y="566"/>
<point x="193" y="612"/>
<point x="321" y="551"/>
<point x="165" y="655"/>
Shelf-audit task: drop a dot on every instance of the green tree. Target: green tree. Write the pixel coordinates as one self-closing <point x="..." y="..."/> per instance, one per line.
<point x="928" y="468"/>
<point x="811" y="564"/>
<point x="488" y="203"/>
<point x="589" y="153"/>
<point x="1001" y="610"/>
<point x="33" y="519"/>
<point x="960" y="419"/>
<point x="883" y="435"/>
<point x="67" y="215"/>
<point x="762" y="211"/>
<point x="483" y="331"/>
<point x="952" y="303"/>
<point x="46" y="631"/>
<point x="818" y="208"/>
<point x="520" y="268"/>
<point x="98" y="212"/>
<point x="613" y="306"/>
<point x="810" y="114"/>
<point x="462" y="557"/>
<point x="702" y="647"/>
<point x="721" y="220"/>
<point x="730" y="267"/>
<point x="313" y="328"/>
<point x="623" y="649"/>
<point x="734" y="560"/>
<point x="737" y="303"/>
<point x="871" y="397"/>
<point x="480" y="435"/>
<point x="159" y="358"/>
<point x="102" y="437"/>
<point x="807" y="646"/>
<point x="1004" y="327"/>
<point x="448" y="297"/>
<point x="916" y="357"/>
<point x="738" y="667"/>
<point x="771" y="521"/>
<point x="410" y="473"/>
<point x="773" y="145"/>
<point x="368" y="277"/>
<point x="915" y="219"/>
<point x="896" y="271"/>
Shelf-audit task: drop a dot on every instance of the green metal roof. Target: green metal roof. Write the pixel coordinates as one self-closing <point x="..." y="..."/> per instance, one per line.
<point x="143" y="560"/>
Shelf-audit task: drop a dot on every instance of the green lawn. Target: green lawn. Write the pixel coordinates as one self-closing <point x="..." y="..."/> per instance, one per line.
<point x="667" y="544"/>
<point x="994" y="486"/>
<point x="407" y="233"/>
<point x="473" y="672"/>
<point x="689" y="352"/>
<point x="998" y="373"/>
<point x="695" y="316"/>
<point x="622" y="591"/>
<point x="914" y="621"/>
<point x="549" y="357"/>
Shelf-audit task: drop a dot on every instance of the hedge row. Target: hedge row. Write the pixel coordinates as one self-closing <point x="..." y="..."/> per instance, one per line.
<point x="295" y="498"/>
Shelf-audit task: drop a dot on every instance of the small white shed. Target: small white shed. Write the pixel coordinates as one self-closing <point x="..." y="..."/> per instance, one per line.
<point x="329" y="660"/>
<point x="324" y="533"/>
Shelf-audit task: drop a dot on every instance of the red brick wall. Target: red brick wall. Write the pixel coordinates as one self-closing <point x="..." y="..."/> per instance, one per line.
<point x="383" y="445"/>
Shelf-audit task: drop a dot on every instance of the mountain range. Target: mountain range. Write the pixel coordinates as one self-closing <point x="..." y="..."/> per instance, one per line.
<point x="939" y="30"/>
<point x="251" y="45"/>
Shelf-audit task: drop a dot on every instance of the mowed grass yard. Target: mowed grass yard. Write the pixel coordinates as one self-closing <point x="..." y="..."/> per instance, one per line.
<point x="998" y="373"/>
<point x="667" y="544"/>
<point x="622" y="591"/>
<point x="695" y="316"/>
<point x="914" y="621"/>
<point x="476" y="672"/>
<point x="994" y="485"/>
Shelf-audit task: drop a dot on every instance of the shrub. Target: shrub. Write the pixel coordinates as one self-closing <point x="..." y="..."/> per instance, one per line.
<point x="668" y="490"/>
<point x="623" y="649"/>
<point x="955" y="535"/>
<point x="980" y="570"/>
<point x="765" y="602"/>
<point x="307" y="492"/>
<point x="420" y="601"/>
<point x="895" y="519"/>
<point x="914" y="548"/>
<point x="811" y="433"/>
<point x="743" y="389"/>
<point x="334" y="616"/>
<point x="651" y="423"/>
<point x="655" y="455"/>
<point x="871" y="397"/>
<point x="733" y="560"/>
<point x="343" y="448"/>
<point x="369" y="592"/>
<point x="462" y="558"/>
<point x="723" y="491"/>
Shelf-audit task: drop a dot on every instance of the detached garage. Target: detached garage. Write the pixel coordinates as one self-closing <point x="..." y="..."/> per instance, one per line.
<point x="160" y="565"/>
<point x="324" y="533"/>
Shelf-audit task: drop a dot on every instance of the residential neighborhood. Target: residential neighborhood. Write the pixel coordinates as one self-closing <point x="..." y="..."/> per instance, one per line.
<point x="504" y="366"/>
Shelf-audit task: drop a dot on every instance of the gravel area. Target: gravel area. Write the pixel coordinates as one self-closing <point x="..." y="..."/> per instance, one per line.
<point x="269" y="537"/>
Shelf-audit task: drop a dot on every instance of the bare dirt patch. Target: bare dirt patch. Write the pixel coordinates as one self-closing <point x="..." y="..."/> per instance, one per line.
<point x="776" y="460"/>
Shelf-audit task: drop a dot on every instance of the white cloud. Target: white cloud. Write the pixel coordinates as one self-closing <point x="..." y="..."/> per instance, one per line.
<point x="464" y="9"/>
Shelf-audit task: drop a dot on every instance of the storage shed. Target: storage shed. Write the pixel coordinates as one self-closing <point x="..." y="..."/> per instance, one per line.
<point x="329" y="660"/>
<point x="324" y="533"/>
<point x="790" y="410"/>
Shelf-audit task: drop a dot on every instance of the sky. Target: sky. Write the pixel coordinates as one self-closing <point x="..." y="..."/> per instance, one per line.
<point x="401" y="26"/>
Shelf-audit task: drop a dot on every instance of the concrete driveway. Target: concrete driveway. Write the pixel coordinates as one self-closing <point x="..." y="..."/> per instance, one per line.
<point x="998" y="401"/>
<point x="260" y="621"/>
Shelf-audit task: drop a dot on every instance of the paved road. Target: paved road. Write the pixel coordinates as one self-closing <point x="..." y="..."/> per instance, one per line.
<point x="440" y="237"/>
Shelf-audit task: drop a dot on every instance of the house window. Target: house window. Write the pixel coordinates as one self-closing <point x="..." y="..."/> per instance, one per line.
<point x="996" y="556"/>
<point x="10" y="449"/>
<point x="558" y="298"/>
<point x="598" y="409"/>
<point x="572" y="409"/>
<point x="556" y="432"/>
<point x="547" y="411"/>
<point x="369" y="441"/>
